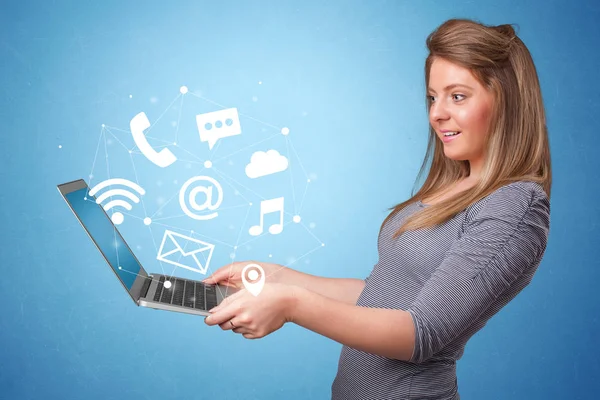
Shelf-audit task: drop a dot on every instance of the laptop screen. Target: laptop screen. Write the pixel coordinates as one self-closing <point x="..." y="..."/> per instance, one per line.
<point x="106" y="236"/>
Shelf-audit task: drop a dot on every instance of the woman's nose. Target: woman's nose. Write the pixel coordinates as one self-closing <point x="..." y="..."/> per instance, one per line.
<point x="438" y="112"/>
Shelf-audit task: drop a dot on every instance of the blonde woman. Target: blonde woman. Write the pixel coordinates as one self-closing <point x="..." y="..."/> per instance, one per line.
<point x="452" y="255"/>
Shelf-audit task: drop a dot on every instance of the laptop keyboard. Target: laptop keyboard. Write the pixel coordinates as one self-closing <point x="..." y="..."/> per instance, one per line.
<point x="186" y="293"/>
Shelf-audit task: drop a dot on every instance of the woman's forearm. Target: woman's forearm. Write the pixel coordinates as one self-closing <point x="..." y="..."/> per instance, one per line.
<point x="385" y="332"/>
<point x="345" y="290"/>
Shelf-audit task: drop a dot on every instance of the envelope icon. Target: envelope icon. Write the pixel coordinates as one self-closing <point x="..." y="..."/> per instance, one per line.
<point x="185" y="252"/>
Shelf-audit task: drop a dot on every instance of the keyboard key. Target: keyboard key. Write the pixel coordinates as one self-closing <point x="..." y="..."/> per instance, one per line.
<point x="159" y="288"/>
<point x="188" y="294"/>
<point x="200" y="303"/>
<point x="167" y="293"/>
<point x="211" y="296"/>
<point x="178" y="292"/>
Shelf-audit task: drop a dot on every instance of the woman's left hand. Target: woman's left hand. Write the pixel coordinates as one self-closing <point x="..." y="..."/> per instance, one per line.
<point x="255" y="316"/>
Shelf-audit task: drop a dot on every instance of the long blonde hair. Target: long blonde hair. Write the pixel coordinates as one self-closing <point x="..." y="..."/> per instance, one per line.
<point x="516" y="147"/>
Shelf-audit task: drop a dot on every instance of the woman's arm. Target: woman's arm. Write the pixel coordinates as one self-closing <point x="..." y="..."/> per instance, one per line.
<point x="384" y="332"/>
<point x="345" y="290"/>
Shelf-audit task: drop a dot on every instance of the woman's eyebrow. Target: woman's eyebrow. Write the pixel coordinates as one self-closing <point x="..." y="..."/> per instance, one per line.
<point x="452" y="86"/>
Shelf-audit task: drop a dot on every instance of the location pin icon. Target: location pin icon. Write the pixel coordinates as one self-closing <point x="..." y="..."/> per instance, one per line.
<point x="253" y="278"/>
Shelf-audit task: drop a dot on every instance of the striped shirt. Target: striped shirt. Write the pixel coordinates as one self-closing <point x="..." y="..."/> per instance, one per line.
<point x="452" y="279"/>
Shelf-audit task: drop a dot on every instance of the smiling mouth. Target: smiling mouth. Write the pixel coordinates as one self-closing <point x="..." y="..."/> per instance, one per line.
<point x="450" y="134"/>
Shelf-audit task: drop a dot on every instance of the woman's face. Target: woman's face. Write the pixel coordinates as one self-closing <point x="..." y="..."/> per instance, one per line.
<point x="459" y="103"/>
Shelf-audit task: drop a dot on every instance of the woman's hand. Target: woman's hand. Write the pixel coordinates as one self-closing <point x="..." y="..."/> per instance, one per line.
<point x="255" y="316"/>
<point x="231" y="274"/>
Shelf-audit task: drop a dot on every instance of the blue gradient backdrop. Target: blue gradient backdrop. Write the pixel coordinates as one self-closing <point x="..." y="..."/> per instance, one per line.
<point x="347" y="78"/>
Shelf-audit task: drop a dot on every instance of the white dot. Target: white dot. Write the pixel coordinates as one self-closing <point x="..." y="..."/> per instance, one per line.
<point x="147" y="221"/>
<point x="253" y="275"/>
<point x="270" y="255"/>
<point x="260" y="82"/>
<point x="130" y="96"/>
<point x="130" y="151"/>
<point x="322" y="244"/>
<point x="285" y="131"/>
<point x="91" y="176"/>
<point x="175" y="143"/>
<point x="207" y="164"/>
<point x="235" y="247"/>
<point x="167" y="284"/>
<point x="308" y="180"/>
<point x="117" y="218"/>
<point x="85" y="198"/>
<point x="103" y="125"/>
<point x="60" y="146"/>
<point x="183" y="89"/>
<point x="192" y="231"/>
<point x="120" y="267"/>
<point x="296" y="218"/>
<point x="254" y="99"/>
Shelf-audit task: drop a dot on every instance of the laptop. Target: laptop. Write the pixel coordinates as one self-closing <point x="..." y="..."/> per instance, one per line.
<point x="157" y="291"/>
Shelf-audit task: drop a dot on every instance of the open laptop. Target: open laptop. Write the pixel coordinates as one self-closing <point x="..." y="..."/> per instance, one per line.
<point x="156" y="291"/>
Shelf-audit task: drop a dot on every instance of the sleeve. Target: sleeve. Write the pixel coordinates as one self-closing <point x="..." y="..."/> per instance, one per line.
<point x="504" y="240"/>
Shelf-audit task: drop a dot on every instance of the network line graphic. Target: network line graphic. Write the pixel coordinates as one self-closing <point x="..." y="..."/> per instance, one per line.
<point x="214" y="180"/>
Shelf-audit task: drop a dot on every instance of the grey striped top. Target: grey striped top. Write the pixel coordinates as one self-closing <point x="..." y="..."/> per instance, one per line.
<point x="451" y="279"/>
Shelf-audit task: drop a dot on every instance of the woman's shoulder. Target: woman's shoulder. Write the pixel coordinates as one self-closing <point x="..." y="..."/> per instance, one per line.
<point x="514" y="198"/>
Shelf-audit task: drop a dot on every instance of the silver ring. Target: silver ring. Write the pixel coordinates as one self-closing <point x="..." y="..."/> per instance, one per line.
<point x="231" y="323"/>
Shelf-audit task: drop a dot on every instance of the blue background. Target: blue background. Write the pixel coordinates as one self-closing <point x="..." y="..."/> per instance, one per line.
<point x="347" y="78"/>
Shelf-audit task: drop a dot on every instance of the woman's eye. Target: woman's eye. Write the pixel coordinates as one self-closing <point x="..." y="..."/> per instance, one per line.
<point x="459" y="95"/>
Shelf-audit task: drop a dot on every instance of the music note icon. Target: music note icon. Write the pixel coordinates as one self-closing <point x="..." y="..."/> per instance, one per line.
<point x="267" y="207"/>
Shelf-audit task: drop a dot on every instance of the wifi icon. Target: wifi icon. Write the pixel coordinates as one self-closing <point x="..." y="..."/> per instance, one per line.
<point x="117" y="218"/>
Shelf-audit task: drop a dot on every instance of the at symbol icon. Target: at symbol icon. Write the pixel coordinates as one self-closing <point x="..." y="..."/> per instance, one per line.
<point x="208" y="193"/>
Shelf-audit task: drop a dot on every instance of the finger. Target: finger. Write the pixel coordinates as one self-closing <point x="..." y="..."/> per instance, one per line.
<point x="224" y="314"/>
<point x="222" y="274"/>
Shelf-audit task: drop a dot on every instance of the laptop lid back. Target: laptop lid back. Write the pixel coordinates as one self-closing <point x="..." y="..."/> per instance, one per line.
<point x="105" y="236"/>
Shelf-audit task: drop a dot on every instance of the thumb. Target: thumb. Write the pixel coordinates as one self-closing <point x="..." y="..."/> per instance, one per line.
<point x="221" y="274"/>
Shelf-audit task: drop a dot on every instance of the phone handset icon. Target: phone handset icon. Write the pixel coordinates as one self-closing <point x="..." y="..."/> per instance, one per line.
<point x="162" y="158"/>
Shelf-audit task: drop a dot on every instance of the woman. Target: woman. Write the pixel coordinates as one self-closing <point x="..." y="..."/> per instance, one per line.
<point x="451" y="256"/>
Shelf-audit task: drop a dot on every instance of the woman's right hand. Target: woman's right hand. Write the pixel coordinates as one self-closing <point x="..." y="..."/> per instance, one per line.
<point x="231" y="274"/>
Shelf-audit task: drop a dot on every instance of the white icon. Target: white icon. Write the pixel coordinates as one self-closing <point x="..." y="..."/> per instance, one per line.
<point x="185" y="252"/>
<point x="217" y="125"/>
<point x="207" y="191"/>
<point x="162" y="158"/>
<point x="117" y="218"/>
<point x="268" y="163"/>
<point x="255" y="279"/>
<point x="266" y="207"/>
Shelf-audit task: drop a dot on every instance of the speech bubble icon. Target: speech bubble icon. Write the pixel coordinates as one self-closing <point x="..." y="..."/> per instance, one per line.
<point x="217" y="125"/>
<point x="253" y="278"/>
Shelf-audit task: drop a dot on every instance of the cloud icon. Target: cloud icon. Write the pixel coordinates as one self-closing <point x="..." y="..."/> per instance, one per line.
<point x="268" y="163"/>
